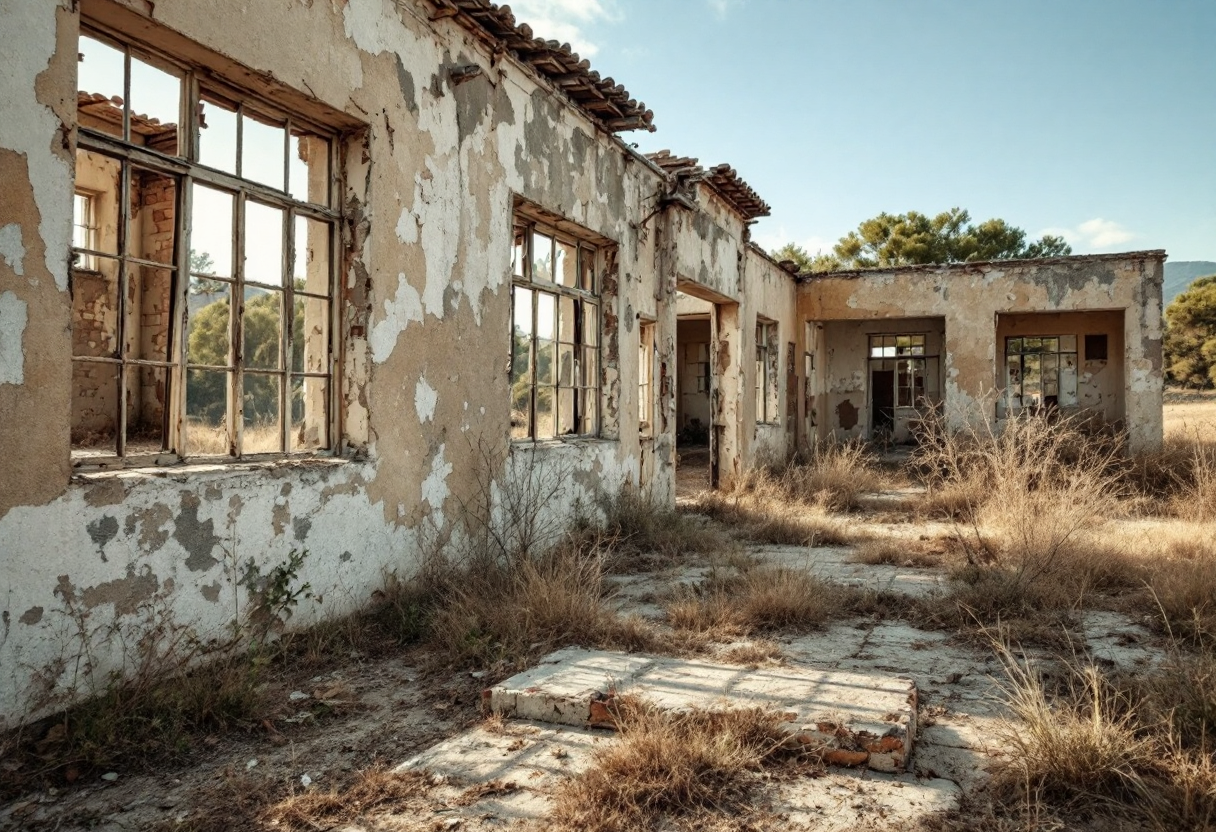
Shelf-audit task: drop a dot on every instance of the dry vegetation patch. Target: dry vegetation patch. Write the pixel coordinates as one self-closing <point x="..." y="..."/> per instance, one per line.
<point x="1126" y="749"/>
<point x="762" y="599"/>
<point x="376" y="791"/>
<point x="681" y="767"/>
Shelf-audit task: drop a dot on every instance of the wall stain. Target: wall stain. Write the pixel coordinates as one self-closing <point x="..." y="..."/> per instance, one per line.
<point x="198" y="538"/>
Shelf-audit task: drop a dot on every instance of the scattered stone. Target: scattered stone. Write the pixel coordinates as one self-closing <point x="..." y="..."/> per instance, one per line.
<point x="297" y="695"/>
<point x="110" y="776"/>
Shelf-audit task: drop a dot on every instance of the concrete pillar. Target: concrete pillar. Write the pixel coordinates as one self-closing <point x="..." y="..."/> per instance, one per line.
<point x="729" y="437"/>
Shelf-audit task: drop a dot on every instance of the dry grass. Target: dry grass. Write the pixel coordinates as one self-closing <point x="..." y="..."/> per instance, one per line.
<point x="677" y="767"/>
<point x="763" y="599"/>
<point x="1128" y="750"/>
<point x="833" y="475"/>
<point x="1190" y="414"/>
<point x="1030" y="505"/>
<point x="376" y="791"/>
<point x="758" y="510"/>
<point x="639" y="534"/>
<point x="758" y="653"/>
<point x="511" y="612"/>
<point x="920" y="553"/>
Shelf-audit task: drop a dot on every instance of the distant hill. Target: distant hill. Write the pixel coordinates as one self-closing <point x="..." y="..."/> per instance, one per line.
<point x="1179" y="275"/>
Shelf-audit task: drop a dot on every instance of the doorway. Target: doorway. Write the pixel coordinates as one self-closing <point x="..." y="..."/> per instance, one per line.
<point x="882" y="402"/>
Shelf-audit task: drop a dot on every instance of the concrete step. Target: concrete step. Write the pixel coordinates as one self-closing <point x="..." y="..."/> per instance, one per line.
<point x="861" y="719"/>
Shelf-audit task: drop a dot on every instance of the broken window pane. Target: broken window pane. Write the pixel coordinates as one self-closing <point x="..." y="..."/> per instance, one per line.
<point x="101" y="85"/>
<point x="147" y="393"/>
<point x="311" y="262"/>
<point x="591" y="324"/>
<point x="208" y="328"/>
<point x="546" y="310"/>
<point x="567" y="320"/>
<point x="590" y="412"/>
<point x="261" y="327"/>
<point x="309" y="413"/>
<point x="310" y="335"/>
<point x="542" y="258"/>
<point x="545" y="359"/>
<point x="566" y="424"/>
<point x="308" y="168"/>
<point x="263" y="244"/>
<point x="565" y="364"/>
<point x="545" y="422"/>
<point x="217" y="133"/>
<point x="95" y="310"/>
<point x="260" y="434"/>
<point x="94" y="408"/>
<point x="153" y="226"/>
<point x="587" y="269"/>
<point x="211" y="231"/>
<point x="156" y="97"/>
<point x="205" y="425"/>
<point x="148" y="319"/>
<point x="263" y="145"/>
<point x="567" y="265"/>
<point x="519" y="252"/>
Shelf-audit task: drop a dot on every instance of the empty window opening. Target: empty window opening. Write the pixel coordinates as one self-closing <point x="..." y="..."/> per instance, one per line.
<point x="202" y="294"/>
<point x="1095" y="347"/>
<point x="646" y="360"/>
<point x="1041" y="372"/>
<point x="767" y="354"/>
<point x="555" y="342"/>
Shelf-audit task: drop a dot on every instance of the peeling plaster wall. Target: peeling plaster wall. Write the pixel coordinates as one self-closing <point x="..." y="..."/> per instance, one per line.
<point x="970" y="298"/>
<point x="431" y="172"/>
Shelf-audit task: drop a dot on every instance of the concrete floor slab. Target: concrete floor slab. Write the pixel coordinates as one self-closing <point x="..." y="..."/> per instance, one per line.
<point x="863" y="719"/>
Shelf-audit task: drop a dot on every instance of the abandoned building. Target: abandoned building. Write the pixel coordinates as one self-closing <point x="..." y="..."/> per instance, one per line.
<point x="258" y="299"/>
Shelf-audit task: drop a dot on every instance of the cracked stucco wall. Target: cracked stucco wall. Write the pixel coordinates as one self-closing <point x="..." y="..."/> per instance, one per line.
<point x="973" y="298"/>
<point x="431" y="171"/>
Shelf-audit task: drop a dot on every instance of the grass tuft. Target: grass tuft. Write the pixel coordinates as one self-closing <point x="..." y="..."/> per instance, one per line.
<point x="676" y="766"/>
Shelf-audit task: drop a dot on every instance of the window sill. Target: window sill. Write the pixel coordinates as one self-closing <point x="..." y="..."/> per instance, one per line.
<point x="209" y="470"/>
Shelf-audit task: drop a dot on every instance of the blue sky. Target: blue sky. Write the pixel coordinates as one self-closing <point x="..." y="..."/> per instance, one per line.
<point x="1095" y="119"/>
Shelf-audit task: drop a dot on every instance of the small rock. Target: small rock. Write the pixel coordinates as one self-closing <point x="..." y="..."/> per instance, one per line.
<point x="110" y="776"/>
<point x="305" y="780"/>
<point x="297" y="695"/>
<point x="452" y="823"/>
<point x="251" y="764"/>
<point x="478" y="674"/>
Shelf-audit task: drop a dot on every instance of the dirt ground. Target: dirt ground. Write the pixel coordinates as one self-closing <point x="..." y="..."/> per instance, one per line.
<point x="366" y="713"/>
<point x="328" y="723"/>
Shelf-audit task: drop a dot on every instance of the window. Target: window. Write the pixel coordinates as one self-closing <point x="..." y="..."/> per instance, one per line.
<point x="766" y="371"/>
<point x="646" y="379"/>
<point x="555" y="350"/>
<point x="203" y="286"/>
<point x="1041" y="371"/>
<point x="903" y="356"/>
<point x="84" y="231"/>
<point x="1095" y="347"/>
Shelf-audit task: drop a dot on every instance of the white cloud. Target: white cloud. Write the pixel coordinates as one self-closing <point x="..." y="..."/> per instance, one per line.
<point x="1094" y="235"/>
<point x="772" y="240"/>
<point x="565" y="20"/>
<point x="721" y="7"/>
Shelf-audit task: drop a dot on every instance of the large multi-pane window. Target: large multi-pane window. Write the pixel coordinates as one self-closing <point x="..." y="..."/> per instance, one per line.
<point x="555" y="342"/>
<point x="1041" y="371"/>
<point x="905" y="356"/>
<point x="203" y="277"/>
